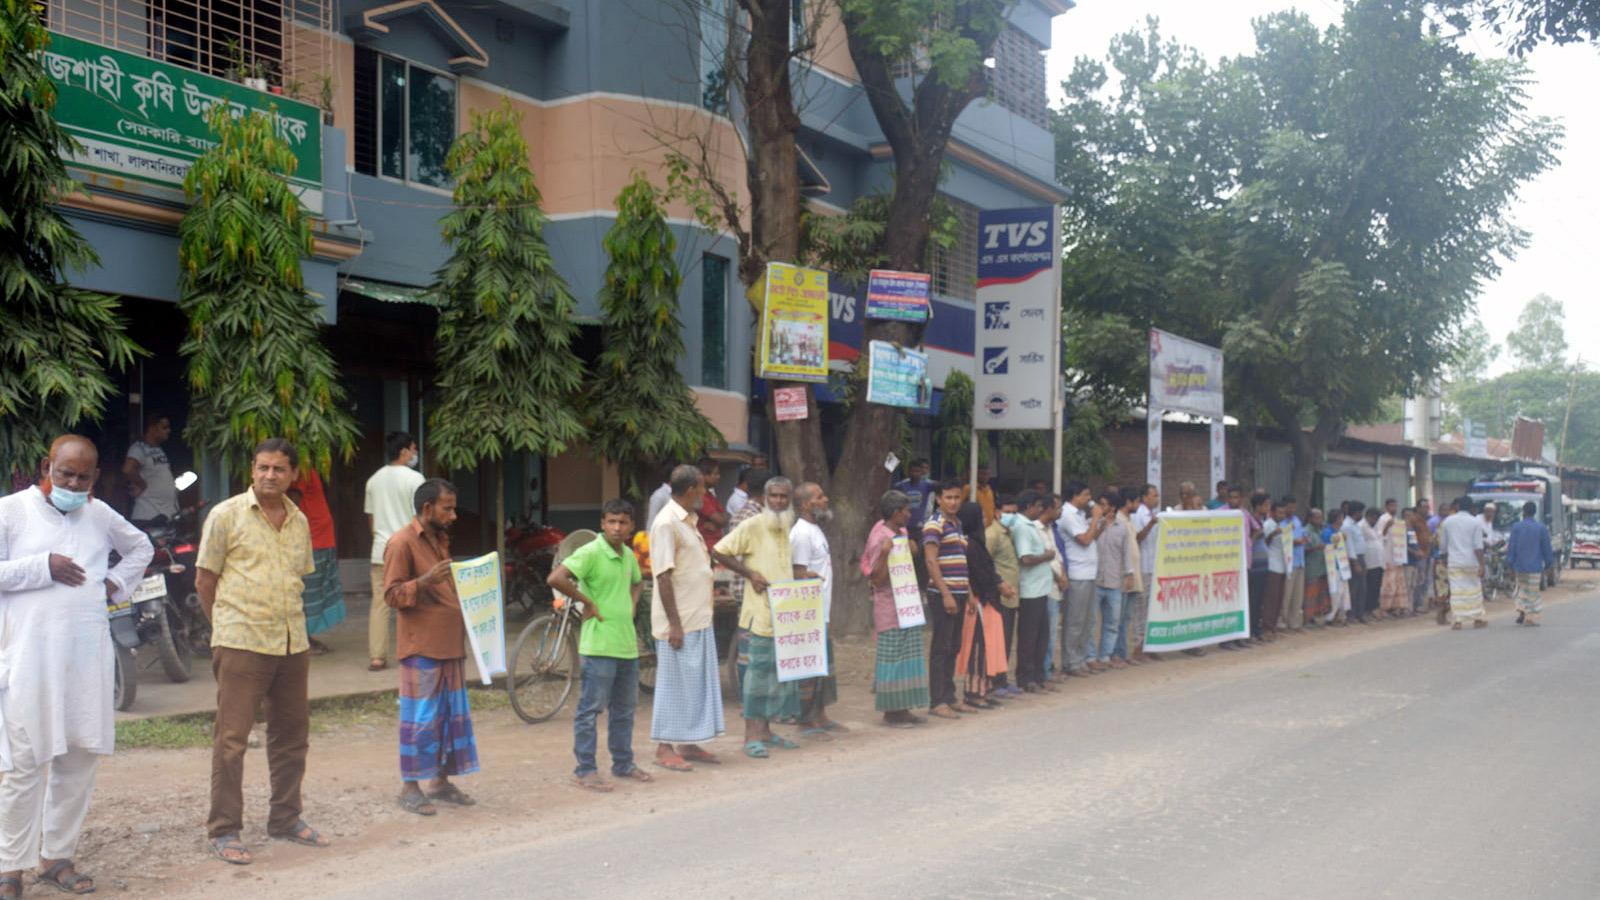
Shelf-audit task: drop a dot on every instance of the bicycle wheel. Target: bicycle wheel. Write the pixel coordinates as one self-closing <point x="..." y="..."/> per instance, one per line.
<point x="543" y="668"/>
<point x="647" y="653"/>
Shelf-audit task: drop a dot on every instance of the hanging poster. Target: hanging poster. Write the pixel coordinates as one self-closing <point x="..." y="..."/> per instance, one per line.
<point x="794" y="324"/>
<point x="1185" y="376"/>
<point x="903" y="582"/>
<point x="1019" y="319"/>
<point x="1152" y="461"/>
<point x="799" y="631"/>
<point x="897" y="376"/>
<point x="901" y="296"/>
<point x="1200" y="594"/>
<point x="478" y="587"/>
<point x="791" y="404"/>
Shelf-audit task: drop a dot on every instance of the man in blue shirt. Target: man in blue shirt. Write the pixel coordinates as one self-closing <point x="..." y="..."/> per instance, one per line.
<point x="918" y="488"/>
<point x="1528" y="552"/>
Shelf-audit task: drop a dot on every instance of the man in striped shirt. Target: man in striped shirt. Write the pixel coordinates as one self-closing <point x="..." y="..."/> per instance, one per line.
<point x="944" y="547"/>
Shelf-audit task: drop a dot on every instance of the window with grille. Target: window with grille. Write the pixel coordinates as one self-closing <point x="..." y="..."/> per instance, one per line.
<point x="955" y="270"/>
<point x="405" y="119"/>
<point x="713" y="321"/>
<point x="714" y="25"/>
<point x="1018" y="79"/>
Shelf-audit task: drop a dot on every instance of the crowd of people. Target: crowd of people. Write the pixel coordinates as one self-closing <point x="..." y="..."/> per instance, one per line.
<point x="1019" y="594"/>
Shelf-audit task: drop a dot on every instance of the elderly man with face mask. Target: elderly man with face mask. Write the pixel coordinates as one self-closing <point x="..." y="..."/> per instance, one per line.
<point x="758" y="551"/>
<point x="56" y="717"/>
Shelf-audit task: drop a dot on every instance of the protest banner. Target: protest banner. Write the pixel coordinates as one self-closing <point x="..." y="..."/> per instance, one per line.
<point x="900" y="296"/>
<point x="478" y="587"/>
<point x="1200" y="595"/>
<point x="794" y="324"/>
<point x="903" y="582"/>
<point x="798" y="629"/>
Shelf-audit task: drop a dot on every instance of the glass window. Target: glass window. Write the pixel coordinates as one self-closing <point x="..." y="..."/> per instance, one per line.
<point x="713" y="321"/>
<point x="431" y="126"/>
<point x="714" y="55"/>
<point x="392" y="116"/>
<point x="405" y="119"/>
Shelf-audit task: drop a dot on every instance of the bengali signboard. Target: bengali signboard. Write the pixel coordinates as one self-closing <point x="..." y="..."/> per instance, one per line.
<point x="1200" y="594"/>
<point x="903" y="583"/>
<point x="1019" y="314"/>
<point x="138" y="118"/>
<point x="794" y="324"/>
<point x="799" y="631"/>
<point x="478" y="587"/>
<point x="790" y="403"/>
<point x="901" y="296"/>
<point x="897" y="376"/>
<point x="1185" y="376"/>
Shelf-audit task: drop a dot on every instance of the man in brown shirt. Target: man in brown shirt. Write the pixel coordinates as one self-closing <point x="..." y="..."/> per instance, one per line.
<point x="436" y="739"/>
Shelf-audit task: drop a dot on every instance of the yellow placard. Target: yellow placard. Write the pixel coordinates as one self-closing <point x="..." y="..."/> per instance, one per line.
<point x="478" y="587"/>
<point x="794" y="324"/>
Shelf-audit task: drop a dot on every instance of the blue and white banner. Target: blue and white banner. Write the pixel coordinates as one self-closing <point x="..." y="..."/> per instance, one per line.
<point x="1019" y="319"/>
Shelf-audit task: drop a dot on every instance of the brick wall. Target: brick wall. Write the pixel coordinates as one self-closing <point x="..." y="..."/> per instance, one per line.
<point x="1186" y="451"/>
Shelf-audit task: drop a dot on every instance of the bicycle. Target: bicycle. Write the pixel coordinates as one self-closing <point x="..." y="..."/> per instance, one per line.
<point x="1497" y="578"/>
<point x="544" y="662"/>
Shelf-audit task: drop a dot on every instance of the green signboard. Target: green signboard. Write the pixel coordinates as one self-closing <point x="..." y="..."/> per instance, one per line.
<point x="146" y="120"/>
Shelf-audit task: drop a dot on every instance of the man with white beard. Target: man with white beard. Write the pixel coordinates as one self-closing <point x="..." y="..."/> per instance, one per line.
<point x="758" y="551"/>
<point x="809" y="556"/>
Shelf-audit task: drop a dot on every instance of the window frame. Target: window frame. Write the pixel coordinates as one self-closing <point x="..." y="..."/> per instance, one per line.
<point x="405" y="118"/>
<point x="721" y="359"/>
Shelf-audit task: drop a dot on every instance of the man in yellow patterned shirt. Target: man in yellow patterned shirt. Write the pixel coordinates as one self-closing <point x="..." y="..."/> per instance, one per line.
<point x="254" y="554"/>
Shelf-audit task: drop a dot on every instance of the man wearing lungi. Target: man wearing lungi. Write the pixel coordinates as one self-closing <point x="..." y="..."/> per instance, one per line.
<point x="1529" y="554"/>
<point x="436" y="739"/>
<point x="1461" y="537"/>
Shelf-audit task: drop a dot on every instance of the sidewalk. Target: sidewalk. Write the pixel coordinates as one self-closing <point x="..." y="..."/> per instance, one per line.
<point x="341" y="672"/>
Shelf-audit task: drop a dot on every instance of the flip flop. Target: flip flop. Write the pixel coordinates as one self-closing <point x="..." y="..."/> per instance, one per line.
<point x="221" y="845"/>
<point x="781" y="742"/>
<point x="417" y="803"/>
<point x="756" y="750"/>
<point x="701" y="756"/>
<point x="818" y="733"/>
<point x="303" y="834"/>
<point x="592" y="783"/>
<point x="637" y="774"/>
<point x="674" y="763"/>
<point x="452" y="794"/>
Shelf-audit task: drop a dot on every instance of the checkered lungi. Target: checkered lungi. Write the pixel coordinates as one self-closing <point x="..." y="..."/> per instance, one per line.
<point x="435" y="720"/>
<point x="765" y="697"/>
<point x="688" y="695"/>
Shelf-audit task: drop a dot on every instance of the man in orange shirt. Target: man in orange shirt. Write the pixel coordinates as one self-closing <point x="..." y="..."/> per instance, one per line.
<point x="436" y="739"/>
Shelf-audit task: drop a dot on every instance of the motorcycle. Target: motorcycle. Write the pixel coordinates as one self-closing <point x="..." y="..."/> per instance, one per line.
<point x="530" y="558"/>
<point x="136" y="621"/>
<point x="186" y="631"/>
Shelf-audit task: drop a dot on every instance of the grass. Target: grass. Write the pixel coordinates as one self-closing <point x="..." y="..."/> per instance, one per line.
<point x="328" y="714"/>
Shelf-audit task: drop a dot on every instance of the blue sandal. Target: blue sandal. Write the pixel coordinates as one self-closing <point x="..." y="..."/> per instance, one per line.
<point x="780" y="742"/>
<point x="755" y="750"/>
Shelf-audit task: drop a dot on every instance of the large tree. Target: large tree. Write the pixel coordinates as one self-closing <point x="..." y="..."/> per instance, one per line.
<point x="507" y="379"/>
<point x="1540" y="338"/>
<point x="1526" y="24"/>
<point x="639" y="409"/>
<point x="257" y="365"/>
<point x="56" y="342"/>
<point x="1327" y="206"/>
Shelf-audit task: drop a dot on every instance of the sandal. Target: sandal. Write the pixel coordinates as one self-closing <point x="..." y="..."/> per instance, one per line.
<point x="944" y="712"/>
<point x="637" y="774"/>
<point x="7" y="882"/>
<point x="817" y="733"/>
<point x="674" y="763"/>
<point x="302" y="834"/>
<point x="377" y="665"/>
<point x="452" y="794"/>
<point x="701" y="756"/>
<point x="592" y="782"/>
<point x="756" y="750"/>
<point x="79" y="883"/>
<point x="220" y="846"/>
<point x="417" y="803"/>
<point x="780" y="742"/>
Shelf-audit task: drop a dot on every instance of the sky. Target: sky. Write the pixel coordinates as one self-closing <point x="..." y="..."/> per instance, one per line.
<point x="1560" y="209"/>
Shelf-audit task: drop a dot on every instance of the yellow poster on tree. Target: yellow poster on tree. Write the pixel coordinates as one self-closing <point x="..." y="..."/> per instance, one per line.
<point x="794" y="324"/>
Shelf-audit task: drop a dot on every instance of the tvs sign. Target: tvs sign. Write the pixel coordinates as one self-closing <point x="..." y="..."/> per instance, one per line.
<point x="1018" y="283"/>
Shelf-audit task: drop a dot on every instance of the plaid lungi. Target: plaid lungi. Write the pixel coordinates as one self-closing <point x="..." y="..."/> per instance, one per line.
<point x="688" y="697"/>
<point x="1466" y="593"/>
<point x="901" y="674"/>
<point x="435" y="720"/>
<point x="323" y="597"/>
<point x="765" y="697"/>
<point x="1530" y="590"/>
<point x="817" y="693"/>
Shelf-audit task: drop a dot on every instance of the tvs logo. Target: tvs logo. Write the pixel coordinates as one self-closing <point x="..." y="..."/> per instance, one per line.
<point x="996" y="360"/>
<point x="996" y="405"/>
<point x="997" y="316"/>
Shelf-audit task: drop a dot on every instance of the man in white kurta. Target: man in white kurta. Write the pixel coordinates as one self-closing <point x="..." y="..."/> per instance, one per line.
<point x="56" y="658"/>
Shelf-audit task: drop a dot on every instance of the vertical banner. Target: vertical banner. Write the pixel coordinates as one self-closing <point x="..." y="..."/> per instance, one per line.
<point x="903" y="582"/>
<point x="798" y="630"/>
<point x="1152" y="457"/>
<point x="1200" y="595"/>
<point x="1219" y="453"/>
<point x="1185" y="376"/>
<point x="794" y="324"/>
<point x="478" y="587"/>
<point x="1019" y="319"/>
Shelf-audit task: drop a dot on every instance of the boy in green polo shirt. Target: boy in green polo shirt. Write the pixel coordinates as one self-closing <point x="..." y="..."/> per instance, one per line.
<point x="604" y="576"/>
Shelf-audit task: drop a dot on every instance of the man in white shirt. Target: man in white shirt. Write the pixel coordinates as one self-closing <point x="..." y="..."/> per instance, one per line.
<point x="810" y="558"/>
<point x="1080" y="528"/>
<point x="1374" y="560"/>
<point x="1486" y="523"/>
<point x="149" y="475"/>
<point x="56" y="708"/>
<point x="741" y="493"/>
<point x="389" y="508"/>
<point x="662" y="494"/>
<point x="1461" y="541"/>
<point x="1145" y="520"/>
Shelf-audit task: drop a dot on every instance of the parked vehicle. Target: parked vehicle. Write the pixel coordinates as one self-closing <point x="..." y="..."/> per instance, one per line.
<point x="543" y="666"/>
<point x="1585" y="516"/>
<point x="139" y="620"/>
<point x="1508" y="491"/>
<point x="530" y="558"/>
<point x="1498" y="579"/>
<point x="176" y="545"/>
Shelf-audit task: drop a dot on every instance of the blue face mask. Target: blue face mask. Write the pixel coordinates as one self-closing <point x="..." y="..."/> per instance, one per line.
<point x="66" y="500"/>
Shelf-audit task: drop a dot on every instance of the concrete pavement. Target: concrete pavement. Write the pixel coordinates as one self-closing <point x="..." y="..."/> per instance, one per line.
<point x="1417" y="762"/>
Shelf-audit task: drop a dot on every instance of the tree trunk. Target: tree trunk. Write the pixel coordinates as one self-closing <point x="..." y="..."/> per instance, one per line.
<point x="500" y="508"/>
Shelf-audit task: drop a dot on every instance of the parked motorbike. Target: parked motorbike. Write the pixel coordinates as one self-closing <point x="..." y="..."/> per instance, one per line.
<point x="187" y="631"/>
<point x="136" y="621"/>
<point x="530" y="558"/>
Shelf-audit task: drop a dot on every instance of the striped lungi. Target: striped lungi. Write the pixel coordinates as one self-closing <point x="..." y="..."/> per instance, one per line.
<point x="435" y="720"/>
<point x="765" y="697"/>
<point x="901" y="675"/>
<point x="1466" y="593"/>
<point x="1530" y="594"/>
<point x="688" y="696"/>
<point x="323" y="597"/>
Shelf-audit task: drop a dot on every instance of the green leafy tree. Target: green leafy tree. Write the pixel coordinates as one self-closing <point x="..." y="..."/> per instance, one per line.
<point x="56" y="342"/>
<point x="639" y="409"/>
<point x="1526" y="24"/>
<point x="507" y="377"/>
<point x="257" y="366"/>
<point x="1540" y="339"/>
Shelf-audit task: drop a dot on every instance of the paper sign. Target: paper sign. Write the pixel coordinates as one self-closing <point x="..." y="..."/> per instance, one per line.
<point x="478" y="586"/>
<point x="794" y="324"/>
<point x="897" y="376"/>
<point x="902" y="296"/>
<point x="903" y="583"/>
<point x="1335" y="583"/>
<point x="1344" y="560"/>
<point x="798" y="629"/>
<point x="1200" y="595"/>
<point x="791" y="404"/>
<point x="1286" y="545"/>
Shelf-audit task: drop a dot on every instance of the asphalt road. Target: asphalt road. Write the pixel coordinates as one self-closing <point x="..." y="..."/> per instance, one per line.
<point x="1416" y="763"/>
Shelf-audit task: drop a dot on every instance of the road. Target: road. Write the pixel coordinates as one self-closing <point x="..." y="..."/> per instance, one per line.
<point x="1411" y="762"/>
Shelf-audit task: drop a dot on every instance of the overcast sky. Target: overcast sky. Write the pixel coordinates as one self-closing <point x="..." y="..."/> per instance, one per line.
<point x="1561" y="210"/>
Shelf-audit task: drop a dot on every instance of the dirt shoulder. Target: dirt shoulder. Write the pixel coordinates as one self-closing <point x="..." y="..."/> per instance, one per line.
<point x="145" y="830"/>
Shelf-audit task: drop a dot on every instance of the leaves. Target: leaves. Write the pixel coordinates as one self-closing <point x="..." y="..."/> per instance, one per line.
<point x="257" y="366"/>
<point x="57" y="343"/>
